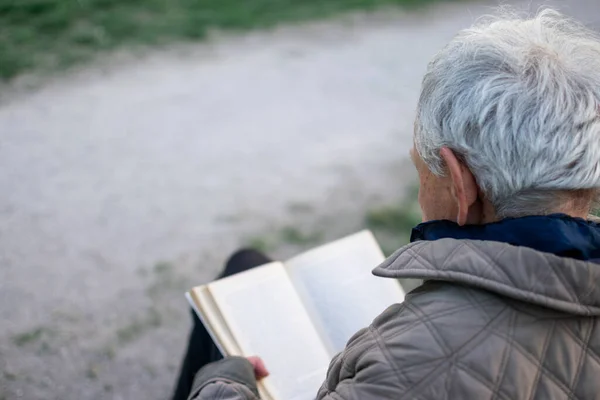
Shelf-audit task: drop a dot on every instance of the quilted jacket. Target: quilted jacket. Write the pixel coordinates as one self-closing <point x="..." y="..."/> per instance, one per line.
<point x="492" y="321"/>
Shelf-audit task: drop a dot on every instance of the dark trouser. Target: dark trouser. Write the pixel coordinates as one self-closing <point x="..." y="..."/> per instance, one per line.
<point x="201" y="349"/>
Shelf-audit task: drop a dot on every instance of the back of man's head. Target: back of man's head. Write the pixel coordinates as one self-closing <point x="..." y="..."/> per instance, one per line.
<point x="517" y="99"/>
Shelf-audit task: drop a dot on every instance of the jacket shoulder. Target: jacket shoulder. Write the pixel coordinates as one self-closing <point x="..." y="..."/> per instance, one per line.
<point x="444" y="313"/>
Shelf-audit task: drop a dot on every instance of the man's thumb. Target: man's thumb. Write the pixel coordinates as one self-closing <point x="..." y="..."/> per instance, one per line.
<point x="260" y="371"/>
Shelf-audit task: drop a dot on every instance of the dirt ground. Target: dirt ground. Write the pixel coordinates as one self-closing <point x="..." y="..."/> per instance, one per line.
<point x="125" y="183"/>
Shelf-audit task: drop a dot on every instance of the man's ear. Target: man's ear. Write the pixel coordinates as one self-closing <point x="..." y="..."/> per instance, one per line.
<point x="464" y="187"/>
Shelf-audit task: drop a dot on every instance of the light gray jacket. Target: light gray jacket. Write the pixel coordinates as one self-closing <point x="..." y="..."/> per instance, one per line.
<point x="492" y="321"/>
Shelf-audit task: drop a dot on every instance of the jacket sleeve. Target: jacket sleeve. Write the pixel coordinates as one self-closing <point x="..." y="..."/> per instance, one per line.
<point x="229" y="379"/>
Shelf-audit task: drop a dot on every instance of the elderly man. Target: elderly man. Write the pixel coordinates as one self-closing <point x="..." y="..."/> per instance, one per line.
<point x="507" y="148"/>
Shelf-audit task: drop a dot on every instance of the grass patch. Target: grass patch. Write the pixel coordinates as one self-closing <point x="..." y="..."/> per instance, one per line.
<point x="139" y="326"/>
<point x="109" y="353"/>
<point x="31" y="336"/>
<point x="392" y="224"/>
<point x="289" y="235"/>
<point x="165" y="279"/>
<point x="43" y="349"/>
<point x="91" y="372"/>
<point x="162" y="268"/>
<point x="57" y="33"/>
<point x="392" y="219"/>
<point x="260" y="243"/>
<point x="300" y="208"/>
<point x="9" y="376"/>
<point x="294" y="236"/>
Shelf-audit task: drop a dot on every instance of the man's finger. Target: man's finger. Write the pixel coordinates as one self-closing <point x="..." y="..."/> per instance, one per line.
<point x="260" y="371"/>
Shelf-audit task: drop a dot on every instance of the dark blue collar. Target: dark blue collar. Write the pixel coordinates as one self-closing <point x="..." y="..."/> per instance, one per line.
<point x="557" y="234"/>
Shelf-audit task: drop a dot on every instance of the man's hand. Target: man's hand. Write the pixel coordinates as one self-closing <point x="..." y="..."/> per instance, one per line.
<point x="260" y="371"/>
<point x="230" y="378"/>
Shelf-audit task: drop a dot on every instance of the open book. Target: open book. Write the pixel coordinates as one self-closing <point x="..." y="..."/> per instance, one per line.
<point x="297" y="315"/>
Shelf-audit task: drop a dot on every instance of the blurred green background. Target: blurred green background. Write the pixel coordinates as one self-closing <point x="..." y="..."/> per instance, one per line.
<point x="53" y="34"/>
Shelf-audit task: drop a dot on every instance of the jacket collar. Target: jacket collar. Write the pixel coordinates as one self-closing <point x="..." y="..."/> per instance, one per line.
<point x="540" y="260"/>
<point x="558" y="234"/>
<point x="564" y="284"/>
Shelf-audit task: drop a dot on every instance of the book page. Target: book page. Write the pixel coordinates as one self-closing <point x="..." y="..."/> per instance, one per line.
<point x="338" y="289"/>
<point x="207" y="310"/>
<point x="266" y="317"/>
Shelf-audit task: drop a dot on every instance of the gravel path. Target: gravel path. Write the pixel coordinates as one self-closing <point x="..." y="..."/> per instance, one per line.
<point x="125" y="184"/>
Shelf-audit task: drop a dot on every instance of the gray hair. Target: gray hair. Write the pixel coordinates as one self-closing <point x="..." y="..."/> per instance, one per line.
<point x="517" y="99"/>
